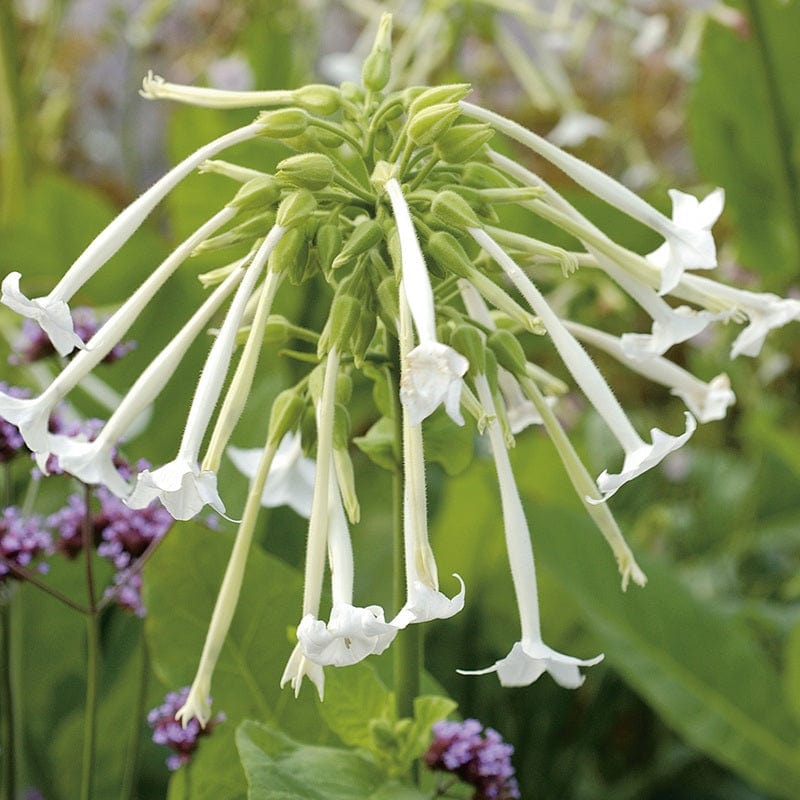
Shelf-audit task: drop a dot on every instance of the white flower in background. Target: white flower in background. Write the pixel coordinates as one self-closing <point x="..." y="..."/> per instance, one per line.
<point x="575" y="127"/>
<point x="290" y="481"/>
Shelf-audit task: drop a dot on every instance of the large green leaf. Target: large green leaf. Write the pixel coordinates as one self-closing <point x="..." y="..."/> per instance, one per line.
<point x="745" y="124"/>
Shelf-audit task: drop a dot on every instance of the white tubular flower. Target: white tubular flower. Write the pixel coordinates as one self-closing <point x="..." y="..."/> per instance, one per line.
<point x="291" y="479"/>
<point x="154" y="87"/>
<point x="424" y="601"/>
<point x="707" y="401"/>
<point x="639" y="455"/>
<point x="432" y="371"/>
<point x="764" y="313"/>
<point x="31" y="415"/>
<point x="298" y="665"/>
<point x="352" y="633"/>
<point x="51" y="311"/>
<point x="575" y="127"/>
<point x="688" y="240"/>
<point x="181" y="485"/>
<point x="92" y="462"/>
<point x="530" y="657"/>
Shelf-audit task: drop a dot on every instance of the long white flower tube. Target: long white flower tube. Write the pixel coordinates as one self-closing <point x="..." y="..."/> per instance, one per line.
<point x="424" y="601"/>
<point x="432" y="371"/>
<point x="31" y="415"/>
<point x="352" y="633"/>
<point x="299" y="666"/>
<point x="197" y="703"/>
<point x="707" y="401"/>
<point x="52" y="311"/>
<point x="93" y="462"/>
<point x="530" y="657"/>
<point x="688" y="243"/>
<point x="639" y="456"/>
<point x="291" y="478"/>
<point x="181" y="485"/>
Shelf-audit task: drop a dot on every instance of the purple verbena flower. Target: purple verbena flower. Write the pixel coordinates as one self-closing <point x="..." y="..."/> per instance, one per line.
<point x="33" y="344"/>
<point x="483" y="761"/>
<point x="21" y="541"/>
<point x="11" y="442"/>
<point x="169" y="732"/>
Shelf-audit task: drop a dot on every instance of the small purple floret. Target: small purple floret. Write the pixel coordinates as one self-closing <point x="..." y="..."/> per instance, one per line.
<point x="169" y="732"/>
<point x="21" y="541"/>
<point x="484" y="761"/>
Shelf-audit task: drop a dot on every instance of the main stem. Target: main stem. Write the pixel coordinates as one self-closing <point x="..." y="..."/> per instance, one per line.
<point x="93" y="655"/>
<point x="7" y="704"/>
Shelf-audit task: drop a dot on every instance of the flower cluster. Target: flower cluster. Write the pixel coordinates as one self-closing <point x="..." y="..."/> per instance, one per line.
<point x="183" y="739"/>
<point x="22" y="540"/>
<point x="389" y="206"/>
<point x="477" y="756"/>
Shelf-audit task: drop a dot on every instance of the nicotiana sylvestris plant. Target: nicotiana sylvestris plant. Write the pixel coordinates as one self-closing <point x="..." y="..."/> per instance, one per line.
<point x="390" y="203"/>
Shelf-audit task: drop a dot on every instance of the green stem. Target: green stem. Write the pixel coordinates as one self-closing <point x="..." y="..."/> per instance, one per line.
<point x="7" y="702"/>
<point x="128" y="786"/>
<point x="93" y="655"/>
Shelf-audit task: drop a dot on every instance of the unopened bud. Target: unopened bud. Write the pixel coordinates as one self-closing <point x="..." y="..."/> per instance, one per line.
<point x="366" y="235"/>
<point x="256" y="193"/>
<point x="341" y="427"/>
<point x="363" y="335"/>
<point x="342" y="321"/>
<point x="312" y="171"/>
<point x="287" y="253"/>
<point x="284" y="123"/>
<point x="453" y="211"/>
<point x="446" y="251"/>
<point x="483" y="176"/>
<point x="388" y="302"/>
<point x="318" y="98"/>
<point x="257" y="226"/>
<point x="467" y="340"/>
<point x="296" y="208"/>
<point x="462" y="142"/>
<point x="277" y="329"/>
<point x="329" y="243"/>
<point x="418" y="100"/>
<point x="377" y="67"/>
<point x="287" y="410"/>
<point x="508" y="351"/>
<point x="345" y="476"/>
<point x="426" y="126"/>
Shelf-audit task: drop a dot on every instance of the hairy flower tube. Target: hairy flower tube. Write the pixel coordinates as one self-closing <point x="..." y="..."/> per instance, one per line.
<point x="384" y="218"/>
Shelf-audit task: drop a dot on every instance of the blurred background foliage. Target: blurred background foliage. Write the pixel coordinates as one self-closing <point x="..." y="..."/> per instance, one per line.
<point x="699" y="695"/>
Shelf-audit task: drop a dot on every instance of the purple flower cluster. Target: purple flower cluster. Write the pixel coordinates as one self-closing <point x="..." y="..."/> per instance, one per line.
<point x="21" y="541"/>
<point x="484" y="761"/>
<point x="11" y="442"/>
<point x="121" y="535"/>
<point x="33" y="344"/>
<point x="169" y="732"/>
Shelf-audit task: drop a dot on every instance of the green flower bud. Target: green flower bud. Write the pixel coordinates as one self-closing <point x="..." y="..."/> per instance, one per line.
<point x="363" y="335"/>
<point x="312" y="171"/>
<point x="325" y="138"/>
<point x="508" y="351"/>
<point x="341" y="427"/>
<point x="342" y="321"/>
<point x="384" y="139"/>
<point x="467" y="340"/>
<point x="318" y="98"/>
<point x="344" y="388"/>
<point x="284" y="123"/>
<point x="419" y="98"/>
<point x="287" y="410"/>
<point x="446" y="251"/>
<point x="515" y="194"/>
<point x="377" y="67"/>
<point x="483" y="176"/>
<point x="277" y="329"/>
<point x="255" y="227"/>
<point x="462" y="142"/>
<point x="256" y="193"/>
<point x="426" y="126"/>
<point x="388" y="302"/>
<point x="453" y="211"/>
<point x="289" y="250"/>
<point x="366" y="235"/>
<point x="329" y="243"/>
<point x="352" y="93"/>
<point x="345" y="475"/>
<point x="296" y="208"/>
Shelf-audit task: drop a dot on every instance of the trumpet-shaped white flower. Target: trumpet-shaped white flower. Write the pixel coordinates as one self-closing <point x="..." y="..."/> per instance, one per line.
<point x="639" y="455"/>
<point x="52" y="311"/>
<point x="298" y="667"/>
<point x="432" y="371"/>
<point x="31" y="415"/>
<point x="291" y="479"/>
<point x="181" y="485"/>
<point x="530" y="657"/>
<point x="764" y="313"/>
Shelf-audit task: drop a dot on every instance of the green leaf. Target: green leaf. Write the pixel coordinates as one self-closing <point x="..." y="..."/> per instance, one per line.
<point x="353" y="698"/>
<point x="703" y="672"/>
<point x="448" y="444"/>
<point x="378" y="444"/>
<point x="427" y="710"/>
<point x="745" y="124"/>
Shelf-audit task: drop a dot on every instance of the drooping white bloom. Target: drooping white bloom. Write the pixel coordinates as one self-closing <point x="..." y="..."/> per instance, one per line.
<point x="31" y="415"/>
<point x="52" y="312"/>
<point x="575" y="127"/>
<point x="432" y="371"/>
<point x="530" y="657"/>
<point x="424" y="601"/>
<point x="290" y="481"/>
<point x="299" y="667"/>
<point x="764" y="313"/>
<point x="181" y="485"/>
<point x="639" y="455"/>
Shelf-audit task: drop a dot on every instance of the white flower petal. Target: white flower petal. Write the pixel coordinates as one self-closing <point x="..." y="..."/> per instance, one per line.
<point x="90" y="462"/>
<point x="708" y="401"/>
<point x="181" y="486"/>
<point x="528" y="660"/>
<point x="197" y="705"/>
<point x="52" y="315"/>
<point x="351" y="635"/>
<point x="299" y="667"/>
<point x="291" y="477"/>
<point x="432" y="375"/>
<point x="643" y="458"/>
<point x="425" y="604"/>
<point x="765" y="312"/>
<point x="681" y="324"/>
<point x="32" y="416"/>
<point x="575" y="127"/>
